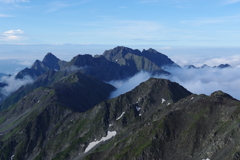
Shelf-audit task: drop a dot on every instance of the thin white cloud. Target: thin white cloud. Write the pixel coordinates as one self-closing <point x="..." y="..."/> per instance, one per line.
<point x="25" y="63"/>
<point x="12" y="35"/>
<point x="166" y="48"/>
<point x="13" y="1"/>
<point x="214" y="20"/>
<point x="122" y="7"/>
<point x="58" y="5"/>
<point x="149" y="1"/>
<point x="4" y="15"/>
<point x="231" y="2"/>
<point x="123" y="29"/>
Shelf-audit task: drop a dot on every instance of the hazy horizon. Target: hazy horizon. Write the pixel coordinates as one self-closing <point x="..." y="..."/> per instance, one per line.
<point x="17" y="57"/>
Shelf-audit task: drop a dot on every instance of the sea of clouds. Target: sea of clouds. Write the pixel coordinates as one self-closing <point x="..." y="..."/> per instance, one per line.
<point x="199" y="81"/>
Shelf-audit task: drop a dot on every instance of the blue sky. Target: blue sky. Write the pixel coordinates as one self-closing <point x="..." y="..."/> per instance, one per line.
<point x="108" y="22"/>
<point x="30" y="28"/>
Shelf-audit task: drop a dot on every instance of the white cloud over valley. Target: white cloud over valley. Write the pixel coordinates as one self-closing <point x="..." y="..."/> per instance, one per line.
<point x="199" y="81"/>
<point x="12" y="84"/>
<point x="124" y="86"/>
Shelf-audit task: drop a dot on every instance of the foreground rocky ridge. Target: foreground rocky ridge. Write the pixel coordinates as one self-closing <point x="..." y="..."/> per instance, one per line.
<point x="158" y="119"/>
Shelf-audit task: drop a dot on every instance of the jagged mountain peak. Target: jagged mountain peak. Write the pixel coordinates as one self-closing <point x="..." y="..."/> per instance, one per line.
<point x="205" y="66"/>
<point x="36" y="64"/>
<point x="224" y="66"/>
<point x="151" y="50"/>
<point x="51" y="61"/>
<point x="86" y="60"/>
<point x="123" y="48"/>
<point x="190" y="66"/>
<point x="145" y="60"/>
<point x="119" y="51"/>
<point x="82" y="56"/>
<point x="168" y="90"/>
<point x="221" y="94"/>
<point x="50" y="57"/>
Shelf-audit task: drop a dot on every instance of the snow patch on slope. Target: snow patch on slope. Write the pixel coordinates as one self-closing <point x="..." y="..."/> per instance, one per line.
<point x="138" y="108"/>
<point x="120" y="116"/>
<point x="163" y="100"/>
<point x="92" y="144"/>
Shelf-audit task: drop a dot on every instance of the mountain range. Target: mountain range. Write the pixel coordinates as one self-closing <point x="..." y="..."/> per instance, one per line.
<point x="221" y="66"/>
<point x="115" y="64"/>
<point x="66" y="113"/>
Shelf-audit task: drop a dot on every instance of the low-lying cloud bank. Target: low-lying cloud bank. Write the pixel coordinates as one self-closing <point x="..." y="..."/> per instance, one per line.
<point x="124" y="86"/>
<point x="12" y="85"/>
<point x="199" y="81"/>
<point x="199" y="60"/>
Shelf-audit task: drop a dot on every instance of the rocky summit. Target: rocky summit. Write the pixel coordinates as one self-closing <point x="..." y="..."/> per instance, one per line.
<point x="66" y="113"/>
